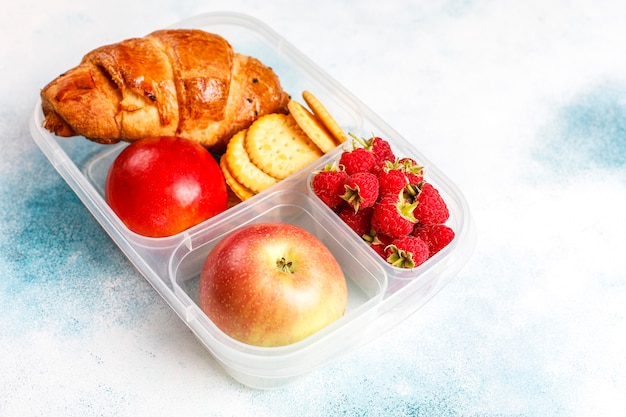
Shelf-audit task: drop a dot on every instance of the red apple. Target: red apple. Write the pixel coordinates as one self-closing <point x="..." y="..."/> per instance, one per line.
<point x="160" y="186"/>
<point x="272" y="284"/>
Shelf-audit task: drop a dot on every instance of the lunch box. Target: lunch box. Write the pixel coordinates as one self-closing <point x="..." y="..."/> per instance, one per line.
<point x="379" y="295"/>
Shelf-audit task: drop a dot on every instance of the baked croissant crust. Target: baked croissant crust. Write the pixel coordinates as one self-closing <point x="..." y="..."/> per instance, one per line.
<point x="179" y="82"/>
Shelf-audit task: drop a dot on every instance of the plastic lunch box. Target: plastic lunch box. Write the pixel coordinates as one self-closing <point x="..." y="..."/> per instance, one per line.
<point x="380" y="296"/>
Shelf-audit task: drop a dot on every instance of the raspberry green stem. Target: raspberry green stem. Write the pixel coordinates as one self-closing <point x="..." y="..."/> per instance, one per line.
<point x="400" y="258"/>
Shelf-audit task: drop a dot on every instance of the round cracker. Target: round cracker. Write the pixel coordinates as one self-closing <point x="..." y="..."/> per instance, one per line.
<point x="241" y="167"/>
<point x="278" y="146"/>
<point x="237" y="188"/>
<point x="324" y="116"/>
<point x="316" y="131"/>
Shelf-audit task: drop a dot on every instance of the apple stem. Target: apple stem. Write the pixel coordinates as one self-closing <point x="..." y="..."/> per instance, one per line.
<point x="284" y="265"/>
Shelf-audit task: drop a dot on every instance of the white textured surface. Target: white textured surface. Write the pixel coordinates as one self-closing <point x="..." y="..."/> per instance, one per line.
<point x="522" y="104"/>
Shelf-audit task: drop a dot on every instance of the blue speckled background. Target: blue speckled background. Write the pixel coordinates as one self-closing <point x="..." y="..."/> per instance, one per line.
<point x="522" y="104"/>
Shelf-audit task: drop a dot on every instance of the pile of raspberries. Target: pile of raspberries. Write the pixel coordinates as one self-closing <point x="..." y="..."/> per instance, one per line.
<point x="386" y="201"/>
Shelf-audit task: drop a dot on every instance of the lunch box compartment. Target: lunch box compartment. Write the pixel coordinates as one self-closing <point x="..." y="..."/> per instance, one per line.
<point x="380" y="296"/>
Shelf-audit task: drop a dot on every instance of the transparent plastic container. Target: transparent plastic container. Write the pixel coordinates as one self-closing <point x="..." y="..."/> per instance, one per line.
<point x="380" y="295"/>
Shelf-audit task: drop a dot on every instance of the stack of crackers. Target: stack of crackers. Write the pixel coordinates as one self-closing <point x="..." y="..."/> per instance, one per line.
<point x="277" y="145"/>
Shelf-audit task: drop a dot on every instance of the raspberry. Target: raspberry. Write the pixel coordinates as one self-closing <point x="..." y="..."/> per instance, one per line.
<point x="380" y="250"/>
<point x="393" y="215"/>
<point x="437" y="236"/>
<point x="391" y="179"/>
<point x="407" y="252"/>
<point x="387" y="202"/>
<point x="431" y="208"/>
<point x="380" y="147"/>
<point x="377" y="242"/>
<point x="328" y="183"/>
<point x="414" y="178"/>
<point x="361" y="190"/>
<point x="357" y="160"/>
<point x="378" y="167"/>
<point x="359" y="221"/>
<point x="413" y="170"/>
<point x="410" y="164"/>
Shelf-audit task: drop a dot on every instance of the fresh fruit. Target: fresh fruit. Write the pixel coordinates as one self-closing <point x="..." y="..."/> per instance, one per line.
<point x="378" y="146"/>
<point x="327" y="184"/>
<point x="271" y="284"/>
<point x="393" y="215"/>
<point x="391" y="179"/>
<point x="431" y="208"/>
<point x="407" y="252"/>
<point x="357" y="160"/>
<point x="360" y="221"/>
<point x="377" y="242"/>
<point x="160" y="186"/>
<point x="413" y="170"/>
<point x="405" y="204"/>
<point x="437" y="236"/>
<point x="361" y="190"/>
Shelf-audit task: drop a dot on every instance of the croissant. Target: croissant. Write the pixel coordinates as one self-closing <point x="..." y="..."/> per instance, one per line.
<point x="178" y="82"/>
